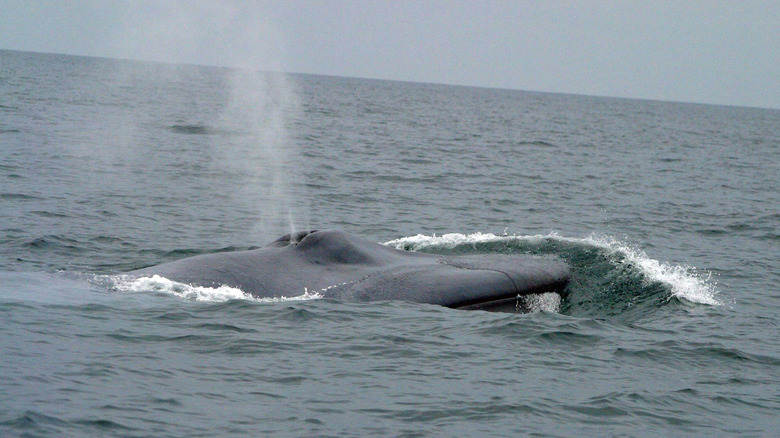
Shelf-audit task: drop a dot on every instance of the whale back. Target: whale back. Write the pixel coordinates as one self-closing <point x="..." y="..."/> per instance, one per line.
<point x="343" y="266"/>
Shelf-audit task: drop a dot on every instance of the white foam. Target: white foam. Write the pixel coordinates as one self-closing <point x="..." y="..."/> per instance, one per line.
<point x="222" y="293"/>
<point x="545" y="302"/>
<point x="451" y="240"/>
<point x="686" y="282"/>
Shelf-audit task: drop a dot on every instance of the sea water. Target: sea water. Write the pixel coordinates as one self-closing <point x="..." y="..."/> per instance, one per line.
<point x="668" y="213"/>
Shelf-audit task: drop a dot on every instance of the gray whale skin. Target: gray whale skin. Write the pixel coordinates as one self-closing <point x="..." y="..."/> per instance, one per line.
<point x="342" y="266"/>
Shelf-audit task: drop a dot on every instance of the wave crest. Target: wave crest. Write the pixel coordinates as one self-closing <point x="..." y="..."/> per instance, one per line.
<point x="684" y="282"/>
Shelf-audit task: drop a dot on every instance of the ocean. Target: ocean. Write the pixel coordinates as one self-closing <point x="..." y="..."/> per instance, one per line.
<point x="668" y="214"/>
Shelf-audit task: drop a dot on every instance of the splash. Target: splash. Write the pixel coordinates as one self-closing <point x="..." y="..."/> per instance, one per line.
<point x="420" y="241"/>
<point x="222" y="293"/>
<point x="546" y="302"/>
<point x="451" y="240"/>
<point x="685" y="282"/>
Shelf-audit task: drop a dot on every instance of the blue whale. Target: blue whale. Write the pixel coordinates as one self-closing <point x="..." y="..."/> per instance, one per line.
<point x="342" y="266"/>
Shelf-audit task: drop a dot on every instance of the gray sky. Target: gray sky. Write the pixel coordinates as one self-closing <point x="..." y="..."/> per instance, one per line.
<point x="722" y="52"/>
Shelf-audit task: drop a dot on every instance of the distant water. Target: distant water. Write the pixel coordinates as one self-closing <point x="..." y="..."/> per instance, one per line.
<point x="668" y="213"/>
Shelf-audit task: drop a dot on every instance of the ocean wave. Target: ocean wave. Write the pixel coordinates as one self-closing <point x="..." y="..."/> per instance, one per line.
<point x="684" y="282"/>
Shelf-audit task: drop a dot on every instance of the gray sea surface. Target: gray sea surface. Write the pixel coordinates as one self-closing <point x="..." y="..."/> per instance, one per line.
<point x="668" y="214"/>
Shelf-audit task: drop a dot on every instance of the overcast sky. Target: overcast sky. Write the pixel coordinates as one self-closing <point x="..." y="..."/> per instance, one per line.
<point x="694" y="51"/>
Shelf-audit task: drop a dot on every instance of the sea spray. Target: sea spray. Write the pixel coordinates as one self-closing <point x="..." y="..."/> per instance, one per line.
<point x="260" y="106"/>
<point x="249" y="105"/>
<point x="686" y="282"/>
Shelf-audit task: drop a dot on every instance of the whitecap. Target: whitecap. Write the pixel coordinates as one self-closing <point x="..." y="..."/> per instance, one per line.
<point x="686" y="282"/>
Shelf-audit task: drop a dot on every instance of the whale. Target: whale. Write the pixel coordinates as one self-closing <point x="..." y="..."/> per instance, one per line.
<point x="338" y="265"/>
